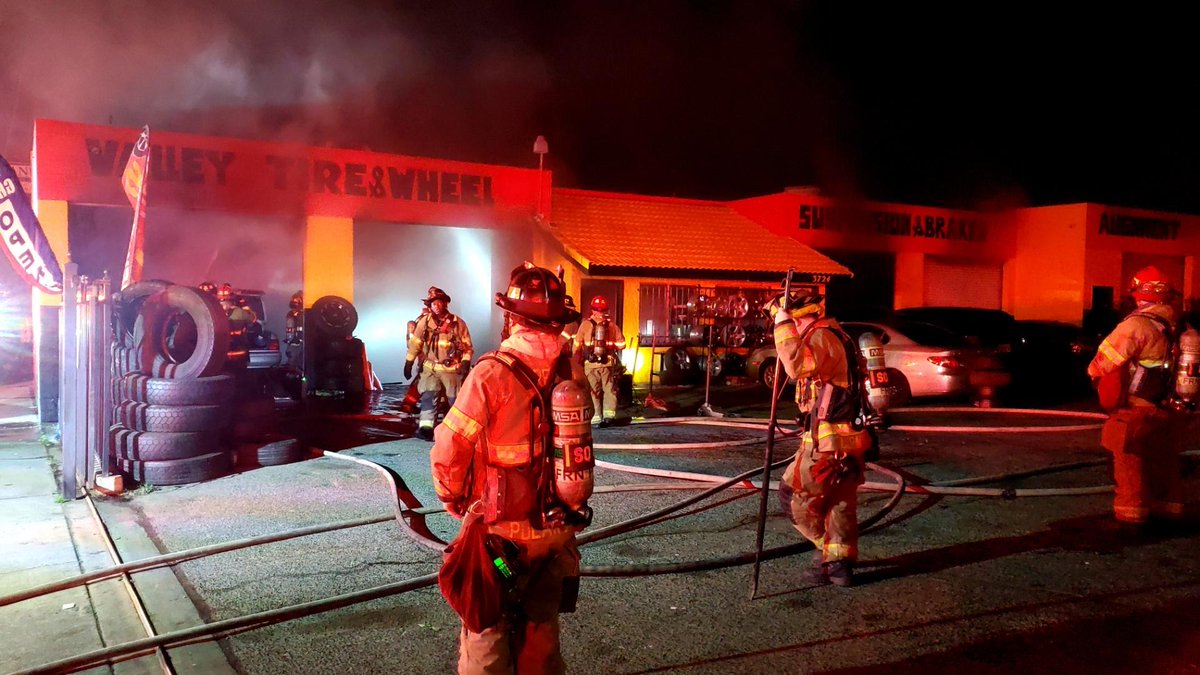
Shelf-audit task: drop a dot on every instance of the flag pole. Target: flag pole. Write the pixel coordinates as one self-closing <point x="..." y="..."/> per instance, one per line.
<point x="135" y="232"/>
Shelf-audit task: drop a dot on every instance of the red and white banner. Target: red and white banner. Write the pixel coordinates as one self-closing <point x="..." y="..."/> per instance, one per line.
<point x="133" y="181"/>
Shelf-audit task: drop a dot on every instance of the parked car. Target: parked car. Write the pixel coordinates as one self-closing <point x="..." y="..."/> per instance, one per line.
<point x="1050" y="359"/>
<point x="987" y="328"/>
<point x="926" y="360"/>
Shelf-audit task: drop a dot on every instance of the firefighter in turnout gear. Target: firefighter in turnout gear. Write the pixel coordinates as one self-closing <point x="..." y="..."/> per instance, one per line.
<point x="489" y="459"/>
<point x="599" y="342"/>
<point x="442" y="342"/>
<point x="819" y="488"/>
<point x="1134" y="377"/>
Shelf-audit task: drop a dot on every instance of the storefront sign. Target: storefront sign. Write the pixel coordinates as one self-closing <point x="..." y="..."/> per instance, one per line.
<point x="82" y="163"/>
<point x="914" y="224"/>
<point x="1146" y="227"/>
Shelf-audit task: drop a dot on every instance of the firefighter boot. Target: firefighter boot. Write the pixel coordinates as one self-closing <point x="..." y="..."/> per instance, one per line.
<point x="814" y="574"/>
<point x="840" y="572"/>
<point x="425" y="433"/>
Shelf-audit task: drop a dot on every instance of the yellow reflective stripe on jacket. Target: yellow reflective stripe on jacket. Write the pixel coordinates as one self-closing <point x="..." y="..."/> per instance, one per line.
<point x="786" y="331"/>
<point x="510" y="454"/>
<point x="1108" y="351"/>
<point x="458" y="422"/>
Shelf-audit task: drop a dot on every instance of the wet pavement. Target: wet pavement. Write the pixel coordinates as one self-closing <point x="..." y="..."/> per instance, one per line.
<point x="947" y="583"/>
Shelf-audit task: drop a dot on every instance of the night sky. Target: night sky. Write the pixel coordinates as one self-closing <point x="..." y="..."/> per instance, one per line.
<point x="966" y="105"/>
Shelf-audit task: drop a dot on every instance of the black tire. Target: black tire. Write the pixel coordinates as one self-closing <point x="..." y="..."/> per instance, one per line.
<point x="270" y="450"/>
<point x="126" y="305"/>
<point x="340" y="368"/>
<point x="677" y="366"/>
<point x="766" y="374"/>
<point x="332" y="316"/>
<point x="149" y="446"/>
<point x="163" y="391"/>
<point x="125" y="360"/>
<point x="212" y="334"/>
<point x="167" y="418"/>
<point x="344" y="349"/>
<point x="177" y="471"/>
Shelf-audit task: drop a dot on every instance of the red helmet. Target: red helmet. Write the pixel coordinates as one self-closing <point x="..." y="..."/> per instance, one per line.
<point x="599" y="304"/>
<point x="225" y="292"/>
<point x="537" y="295"/>
<point x="1150" y="284"/>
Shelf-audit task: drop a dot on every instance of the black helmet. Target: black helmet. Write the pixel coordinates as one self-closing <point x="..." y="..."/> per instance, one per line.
<point x="436" y="293"/>
<point x="537" y="295"/>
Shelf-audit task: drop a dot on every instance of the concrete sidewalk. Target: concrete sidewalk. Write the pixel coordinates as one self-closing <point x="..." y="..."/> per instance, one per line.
<point x="47" y="539"/>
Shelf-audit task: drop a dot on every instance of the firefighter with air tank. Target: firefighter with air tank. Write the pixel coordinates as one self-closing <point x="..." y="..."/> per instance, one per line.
<point x="442" y="343"/>
<point x="1145" y="372"/>
<point x="838" y="407"/>
<point x="515" y="453"/>
<point x="599" y="342"/>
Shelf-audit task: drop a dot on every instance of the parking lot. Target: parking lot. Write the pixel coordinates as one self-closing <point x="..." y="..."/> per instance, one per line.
<point x="948" y="582"/>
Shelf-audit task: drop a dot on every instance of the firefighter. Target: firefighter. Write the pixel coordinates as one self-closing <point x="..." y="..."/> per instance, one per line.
<point x="490" y="437"/>
<point x="599" y="342"/>
<point x="819" y="488"/>
<point x="412" y="397"/>
<point x="442" y="342"/>
<point x="1133" y="375"/>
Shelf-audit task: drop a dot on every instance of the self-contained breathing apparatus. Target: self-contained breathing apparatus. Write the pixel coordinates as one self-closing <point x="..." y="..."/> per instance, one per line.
<point x="859" y="405"/>
<point x="552" y="488"/>
<point x="1174" y="384"/>
<point x="599" y="352"/>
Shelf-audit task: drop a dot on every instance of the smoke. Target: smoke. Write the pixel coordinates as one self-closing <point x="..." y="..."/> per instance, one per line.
<point x="293" y="70"/>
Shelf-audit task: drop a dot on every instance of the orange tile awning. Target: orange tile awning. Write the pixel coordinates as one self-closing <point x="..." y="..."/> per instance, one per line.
<point x="609" y="233"/>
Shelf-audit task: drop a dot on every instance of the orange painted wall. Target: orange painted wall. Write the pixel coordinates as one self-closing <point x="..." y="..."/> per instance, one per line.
<point x="1045" y="280"/>
<point x="1113" y="231"/>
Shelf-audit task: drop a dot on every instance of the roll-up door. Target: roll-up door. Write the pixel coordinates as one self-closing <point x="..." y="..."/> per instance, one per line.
<point x="958" y="283"/>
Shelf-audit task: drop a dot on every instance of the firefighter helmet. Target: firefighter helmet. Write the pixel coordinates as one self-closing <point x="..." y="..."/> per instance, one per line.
<point x="297" y="301"/>
<point x="208" y="287"/>
<point x="599" y="304"/>
<point x="436" y="293"/>
<point x="537" y="295"/>
<point x="800" y="303"/>
<point x="1150" y="284"/>
<point x="225" y="292"/>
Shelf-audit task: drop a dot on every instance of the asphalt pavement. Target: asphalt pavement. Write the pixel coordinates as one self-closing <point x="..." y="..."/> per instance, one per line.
<point x="947" y="583"/>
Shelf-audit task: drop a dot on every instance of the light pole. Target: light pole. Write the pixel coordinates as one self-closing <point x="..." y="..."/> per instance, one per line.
<point x="540" y="148"/>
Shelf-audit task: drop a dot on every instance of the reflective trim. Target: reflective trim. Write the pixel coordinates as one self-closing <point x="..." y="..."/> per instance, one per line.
<point x="509" y="454"/>
<point x="1109" y="352"/>
<point x="1153" y="363"/>
<point x="786" y="331"/>
<point x="836" y="551"/>
<point x="1131" y="514"/>
<point x="458" y="422"/>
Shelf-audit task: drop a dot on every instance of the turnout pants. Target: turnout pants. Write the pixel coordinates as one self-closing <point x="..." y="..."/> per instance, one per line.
<point x="432" y="383"/>
<point x="604" y="390"/>
<point x="825" y="512"/>
<point x="526" y="641"/>
<point x="1145" y="443"/>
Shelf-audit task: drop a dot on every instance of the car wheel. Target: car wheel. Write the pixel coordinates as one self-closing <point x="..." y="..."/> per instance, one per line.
<point x="333" y="316"/>
<point x="676" y="366"/>
<point x="766" y="373"/>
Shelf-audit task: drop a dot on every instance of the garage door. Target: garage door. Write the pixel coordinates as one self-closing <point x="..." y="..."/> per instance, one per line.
<point x="394" y="266"/>
<point x="958" y="283"/>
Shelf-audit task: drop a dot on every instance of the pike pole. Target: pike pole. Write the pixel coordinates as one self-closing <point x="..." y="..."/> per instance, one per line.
<point x="768" y="454"/>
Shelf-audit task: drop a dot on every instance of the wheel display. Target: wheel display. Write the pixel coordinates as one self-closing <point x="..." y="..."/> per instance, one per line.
<point x="733" y="335"/>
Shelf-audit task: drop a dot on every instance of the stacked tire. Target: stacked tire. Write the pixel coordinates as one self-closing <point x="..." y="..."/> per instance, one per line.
<point x="256" y="436"/>
<point x="334" y="358"/>
<point x="170" y="415"/>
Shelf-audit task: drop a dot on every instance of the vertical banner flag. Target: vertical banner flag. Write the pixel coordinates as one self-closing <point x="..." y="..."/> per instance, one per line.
<point x="24" y="242"/>
<point x="133" y="180"/>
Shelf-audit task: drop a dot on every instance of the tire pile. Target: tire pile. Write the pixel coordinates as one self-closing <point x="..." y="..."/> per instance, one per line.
<point x="179" y="416"/>
<point x="333" y="356"/>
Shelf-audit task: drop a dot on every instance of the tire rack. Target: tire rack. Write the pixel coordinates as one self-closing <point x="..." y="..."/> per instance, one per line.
<point x="85" y="380"/>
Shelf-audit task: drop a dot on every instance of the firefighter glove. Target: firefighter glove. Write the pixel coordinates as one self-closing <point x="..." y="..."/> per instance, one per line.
<point x="409" y="370"/>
